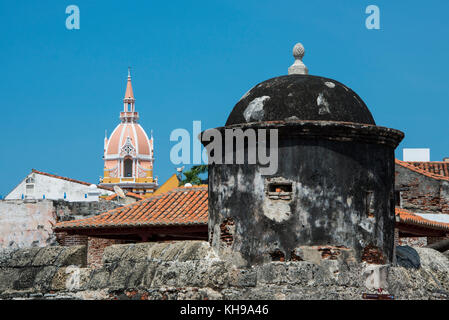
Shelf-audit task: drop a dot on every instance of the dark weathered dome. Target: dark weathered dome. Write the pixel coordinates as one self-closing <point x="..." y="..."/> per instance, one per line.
<point x="300" y="97"/>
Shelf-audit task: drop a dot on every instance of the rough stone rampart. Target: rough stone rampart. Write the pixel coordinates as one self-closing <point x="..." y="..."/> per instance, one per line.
<point x="192" y="270"/>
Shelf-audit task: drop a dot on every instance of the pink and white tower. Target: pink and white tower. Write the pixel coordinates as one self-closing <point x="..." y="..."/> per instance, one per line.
<point x="128" y="153"/>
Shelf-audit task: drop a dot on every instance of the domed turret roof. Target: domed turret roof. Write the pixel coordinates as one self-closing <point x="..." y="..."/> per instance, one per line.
<point x="130" y="135"/>
<point x="299" y="96"/>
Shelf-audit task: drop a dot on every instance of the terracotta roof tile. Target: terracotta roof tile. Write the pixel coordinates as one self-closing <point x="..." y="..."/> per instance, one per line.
<point x="436" y="167"/>
<point x="414" y="168"/>
<point x="180" y="206"/>
<point x="409" y="217"/>
<point x="128" y="194"/>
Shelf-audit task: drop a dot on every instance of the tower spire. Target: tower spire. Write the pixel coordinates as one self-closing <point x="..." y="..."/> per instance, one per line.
<point x="129" y="114"/>
<point x="129" y="95"/>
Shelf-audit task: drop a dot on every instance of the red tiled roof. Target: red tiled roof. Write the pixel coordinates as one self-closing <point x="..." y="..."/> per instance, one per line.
<point x="68" y="179"/>
<point x="177" y="207"/>
<point x="128" y="194"/>
<point x="414" y="168"/>
<point x="408" y="217"/>
<point x="436" y="167"/>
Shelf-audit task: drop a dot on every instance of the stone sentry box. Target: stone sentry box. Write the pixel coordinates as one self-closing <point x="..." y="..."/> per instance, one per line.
<point x="334" y="187"/>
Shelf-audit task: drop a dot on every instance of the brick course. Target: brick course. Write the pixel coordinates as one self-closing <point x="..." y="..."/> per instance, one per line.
<point x="95" y="249"/>
<point x="413" y="241"/>
<point x="68" y="240"/>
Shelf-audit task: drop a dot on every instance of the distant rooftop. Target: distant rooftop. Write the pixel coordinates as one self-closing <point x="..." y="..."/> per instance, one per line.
<point x="418" y="167"/>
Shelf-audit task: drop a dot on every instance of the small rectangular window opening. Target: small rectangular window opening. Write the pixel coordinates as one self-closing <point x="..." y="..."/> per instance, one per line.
<point x="280" y="191"/>
<point x="280" y="187"/>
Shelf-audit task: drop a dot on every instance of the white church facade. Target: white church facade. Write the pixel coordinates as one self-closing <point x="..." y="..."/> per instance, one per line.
<point x="41" y="185"/>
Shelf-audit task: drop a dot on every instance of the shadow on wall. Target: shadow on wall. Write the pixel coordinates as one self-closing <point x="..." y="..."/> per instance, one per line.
<point x="407" y="257"/>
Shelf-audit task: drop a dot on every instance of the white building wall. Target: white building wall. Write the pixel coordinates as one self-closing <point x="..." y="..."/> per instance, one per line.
<point x="26" y="224"/>
<point x="416" y="154"/>
<point x="53" y="189"/>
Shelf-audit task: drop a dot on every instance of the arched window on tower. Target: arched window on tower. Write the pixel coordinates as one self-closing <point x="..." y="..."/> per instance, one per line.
<point x="128" y="167"/>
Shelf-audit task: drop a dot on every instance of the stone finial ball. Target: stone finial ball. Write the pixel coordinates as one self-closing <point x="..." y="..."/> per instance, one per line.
<point x="298" y="51"/>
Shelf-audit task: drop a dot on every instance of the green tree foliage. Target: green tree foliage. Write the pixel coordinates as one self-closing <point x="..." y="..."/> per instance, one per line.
<point x="192" y="175"/>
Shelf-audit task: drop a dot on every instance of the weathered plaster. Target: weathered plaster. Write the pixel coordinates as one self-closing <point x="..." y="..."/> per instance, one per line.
<point x="342" y="194"/>
<point x="28" y="223"/>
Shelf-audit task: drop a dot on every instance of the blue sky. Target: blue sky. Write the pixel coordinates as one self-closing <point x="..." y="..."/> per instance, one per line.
<point x="190" y="61"/>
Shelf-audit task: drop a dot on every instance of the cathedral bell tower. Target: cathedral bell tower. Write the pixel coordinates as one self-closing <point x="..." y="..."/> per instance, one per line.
<point x="128" y="153"/>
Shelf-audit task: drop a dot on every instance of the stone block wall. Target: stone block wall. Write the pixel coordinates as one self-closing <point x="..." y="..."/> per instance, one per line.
<point x="192" y="270"/>
<point x="66" y="211"/>
<point x="34" y="270"/>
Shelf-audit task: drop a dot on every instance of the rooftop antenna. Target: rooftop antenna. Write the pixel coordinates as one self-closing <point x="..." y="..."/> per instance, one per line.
<point x="119" y="192"/>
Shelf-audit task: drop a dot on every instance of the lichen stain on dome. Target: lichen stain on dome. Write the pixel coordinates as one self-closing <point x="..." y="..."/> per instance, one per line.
<point x="323" y="104"/>
<point x="254" y="110"/>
